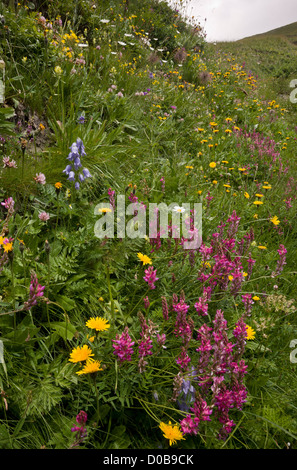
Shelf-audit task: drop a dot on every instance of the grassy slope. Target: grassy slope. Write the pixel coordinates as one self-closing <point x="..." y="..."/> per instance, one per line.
<point x="137" y="140"/>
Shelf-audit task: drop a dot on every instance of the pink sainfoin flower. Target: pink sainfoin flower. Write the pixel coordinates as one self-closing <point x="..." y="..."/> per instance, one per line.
<point x="202" y="306"/>
<point x="151" y="276"/>
<point x="36" y="291"/>
<point x="111" y="194"/>
<point x="183" y="360"/>
<point x="7" y="163"/>
<point x="8" y="204"/>
<point x="44" y="216"/>
<point x="165" y="309"/>
<point x="123" y="346"/>
<point x="146" y="302"/>
<point x="40" y="178"/>
<point x="248" y="302"/>
<point x="281" y="262"/>
<point x="81" y="431"/>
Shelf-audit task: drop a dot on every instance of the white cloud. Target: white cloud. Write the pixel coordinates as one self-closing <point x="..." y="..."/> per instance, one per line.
<point x="228" y="20"/>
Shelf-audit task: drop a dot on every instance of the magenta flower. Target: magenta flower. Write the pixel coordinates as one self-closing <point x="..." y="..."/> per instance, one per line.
<point x="36" y="290"/>
<point x="151" y="276"/>
<point x="123" y="346"/>
<point x="8" y="204"/>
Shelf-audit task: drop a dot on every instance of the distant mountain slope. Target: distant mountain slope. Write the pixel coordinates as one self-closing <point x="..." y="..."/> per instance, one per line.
<point x="288" y="31"/>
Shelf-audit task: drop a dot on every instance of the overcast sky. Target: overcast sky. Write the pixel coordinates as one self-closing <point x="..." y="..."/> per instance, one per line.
<point x="229" y="20"/>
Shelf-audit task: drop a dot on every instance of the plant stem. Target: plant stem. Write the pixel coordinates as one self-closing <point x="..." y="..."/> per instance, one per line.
<point x="110" y="294"/>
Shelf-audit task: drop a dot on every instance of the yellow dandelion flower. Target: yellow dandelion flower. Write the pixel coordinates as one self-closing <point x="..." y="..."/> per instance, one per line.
<point x="104" y="210"/>
<point x="250" y="332"/>
<point x="275" y="220"/>
<point x="90" y="368"/>
<point x="262" y="247"/>
<point x="171" y="432"/>
<point x="145" y="259"/>
<point x="80" y="354"/>
<point x="259" y="195"/>
<point x="256" y="298"/>
<point x="230" y="277"/>
<point x="257" y="203"/>
<point x="246" y="195"/>
<point x="214" y="182"/>
<point x="212" y="164"/>
<point x="98" y="324"/>
<point x="7" y="246"/>
<point x="255" y="216"/>
<point x="58" y="185"/>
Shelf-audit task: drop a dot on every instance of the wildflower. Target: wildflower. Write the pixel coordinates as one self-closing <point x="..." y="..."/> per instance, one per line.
<point x="281" y="262"/>
<point x="257" y="203"/>
<point x="7" y="163"/>
<point x="24" y="60"/>
<point x="256" y="298"/>
<point x="98" y="324"/>
<point x="90" y="367"/>
<point x="275" y="220"/>
<point x="41" y="127"/>
<point x="81" y="432"/>
<point x="262" y="247"/>
<point x="123" y="346"/>
<point x="104" y="210"/>
<point x="36" y="290"/>
<point x="250" y="332"/>
<point x="171" y="432"/>
<point x="40" y="178"/>
<point x="58" y="70"/>
<point x="179" y="209"/>
<point x="151" y="276"/>
<point x="145" y="259"/>
<point x="80" y="354"/>
<point x="212" y="165"/>
<point x="58" y="185"/>
<point x="44" y="216"/>
<point x="7" y="245"/>
<point x="8" y="204"/>
<point x="246" y="195"/>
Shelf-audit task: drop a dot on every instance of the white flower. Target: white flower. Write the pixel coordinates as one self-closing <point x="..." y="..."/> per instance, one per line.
<point x="179" y="209"/>
<point x="121" y="43"/>
<point x="82" y="45"/>
<point x="104" y="21"/>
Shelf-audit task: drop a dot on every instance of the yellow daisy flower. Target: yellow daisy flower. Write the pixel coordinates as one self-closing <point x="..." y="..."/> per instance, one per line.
<point x="90" y="368"/>
<point x="250" y="332"/>
<point x="80" y="354"/>
<point x="212" y="164"/>
<point x="171" y="432"/>
<point x="275" y="220"/>
<point x="145" y="259"/>
<point x="98" y="324"/>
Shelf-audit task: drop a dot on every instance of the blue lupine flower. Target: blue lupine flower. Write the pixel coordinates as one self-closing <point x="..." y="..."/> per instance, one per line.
<point x="81" y="177"/>
<point x="76" y="185"/>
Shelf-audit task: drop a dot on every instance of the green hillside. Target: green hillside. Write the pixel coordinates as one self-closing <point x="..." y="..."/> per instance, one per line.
<point x="148" y="233"/>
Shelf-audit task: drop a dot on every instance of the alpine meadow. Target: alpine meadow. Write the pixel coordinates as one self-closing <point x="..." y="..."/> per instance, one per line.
<point x="148" y="189"/>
